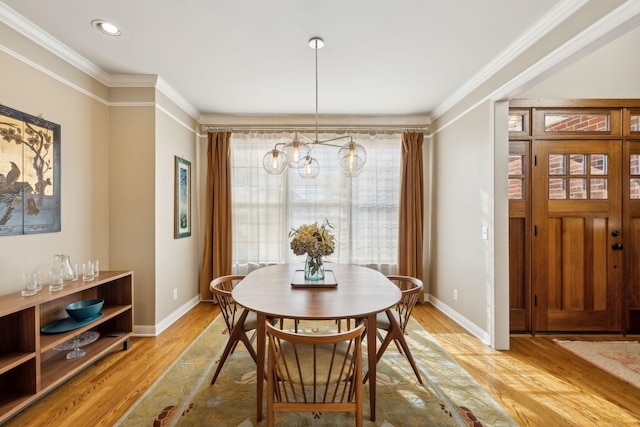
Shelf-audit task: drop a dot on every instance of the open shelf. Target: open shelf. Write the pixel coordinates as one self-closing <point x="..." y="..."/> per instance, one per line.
<point x="57" y="368"/>
<point x="11" y="360"/>
<point x="48" y="341"/>
<point x="29" y="364"/>
<point x="11" y="403"/>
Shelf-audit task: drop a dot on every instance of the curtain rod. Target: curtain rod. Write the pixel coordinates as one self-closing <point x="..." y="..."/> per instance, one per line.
<point x="303" y="129"/>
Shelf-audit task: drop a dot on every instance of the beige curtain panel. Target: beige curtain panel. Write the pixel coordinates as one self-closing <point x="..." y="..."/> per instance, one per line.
<point x="217" y="257"/>
<point x="411" y="220"/>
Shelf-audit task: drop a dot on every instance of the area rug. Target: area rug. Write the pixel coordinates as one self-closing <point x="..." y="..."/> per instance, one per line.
<point x="183" y="396"/>
<point x="619" y="358"/>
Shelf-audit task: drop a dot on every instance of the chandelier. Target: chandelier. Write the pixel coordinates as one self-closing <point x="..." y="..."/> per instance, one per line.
<point x="297" y="154"/>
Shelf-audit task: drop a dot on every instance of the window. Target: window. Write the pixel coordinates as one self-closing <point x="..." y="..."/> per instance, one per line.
<point x="576" y="122"/>
<point x="519" y="122"/>
<point x="587" y="176"/>
<point x="634" y="125"/>
<point x="516" y="177"/>
<point x="635" y="176"/>
<point x="363" y="210"/>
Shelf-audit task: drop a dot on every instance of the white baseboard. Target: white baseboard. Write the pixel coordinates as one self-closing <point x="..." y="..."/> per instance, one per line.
<point x="471" y="327"/>
<point x="155" y="330"/>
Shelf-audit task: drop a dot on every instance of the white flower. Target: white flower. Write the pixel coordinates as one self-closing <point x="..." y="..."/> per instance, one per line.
<point x="313" y="240"/>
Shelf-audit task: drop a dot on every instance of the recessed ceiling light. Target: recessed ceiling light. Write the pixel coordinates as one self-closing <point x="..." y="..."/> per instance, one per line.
<point x="106" y="27"/>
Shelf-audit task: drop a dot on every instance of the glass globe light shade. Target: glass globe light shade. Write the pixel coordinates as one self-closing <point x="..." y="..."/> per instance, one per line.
<point x="274" y="162"/>
<point x="309" y="167"/>
<point x="352" y="158"/>
<point x="351" y="165"/>
<point x="296" y="151"/>
<point x="353" y="173"/>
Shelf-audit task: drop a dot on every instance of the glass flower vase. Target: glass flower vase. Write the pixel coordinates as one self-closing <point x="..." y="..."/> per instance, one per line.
<point x="314" y="268"/>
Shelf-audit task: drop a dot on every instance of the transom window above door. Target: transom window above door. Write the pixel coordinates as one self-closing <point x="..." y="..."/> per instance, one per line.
<point x="579" y="122"/>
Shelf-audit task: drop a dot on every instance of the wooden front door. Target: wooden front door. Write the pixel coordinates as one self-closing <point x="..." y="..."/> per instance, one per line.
<point x="576" y="243"/>
<point x="631" y="232"/>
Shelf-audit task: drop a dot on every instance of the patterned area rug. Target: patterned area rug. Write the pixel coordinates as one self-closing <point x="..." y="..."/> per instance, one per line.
<point x="183" y="396"/>
<point x="619" y="358"/>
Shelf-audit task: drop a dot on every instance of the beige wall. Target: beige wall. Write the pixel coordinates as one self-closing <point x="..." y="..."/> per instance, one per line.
<point x="84" y="192"/>
<point x="177" y="260"/>
<point x="462" y="205"/>
<point x="469" y="148"/>
<point x="117" y="151"/>
<point x="132" y="207"/>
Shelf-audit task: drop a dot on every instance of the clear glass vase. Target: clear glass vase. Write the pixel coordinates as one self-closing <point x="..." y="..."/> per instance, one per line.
<point x="314" y="268"/>
<point x="62" y="263"/>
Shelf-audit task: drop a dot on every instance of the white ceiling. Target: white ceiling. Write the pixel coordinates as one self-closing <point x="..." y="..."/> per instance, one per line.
<point x="380" y="57"/>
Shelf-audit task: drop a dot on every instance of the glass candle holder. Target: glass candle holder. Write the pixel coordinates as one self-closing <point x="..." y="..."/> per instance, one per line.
<point x="88" y="273"/>
<point x="55" y="280"/>
<point x="28" y="285"/>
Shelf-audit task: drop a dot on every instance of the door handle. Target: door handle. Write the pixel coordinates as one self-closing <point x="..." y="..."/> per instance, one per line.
<point x="616" y="246"/>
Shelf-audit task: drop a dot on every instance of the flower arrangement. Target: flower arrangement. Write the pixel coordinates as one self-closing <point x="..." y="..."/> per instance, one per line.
<point x="314" y="240"/>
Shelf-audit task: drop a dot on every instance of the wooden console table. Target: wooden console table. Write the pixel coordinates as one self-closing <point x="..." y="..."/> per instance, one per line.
<point x="29" y="364"/>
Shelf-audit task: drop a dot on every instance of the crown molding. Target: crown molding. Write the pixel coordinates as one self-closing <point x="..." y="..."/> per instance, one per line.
<point x="34" y="33"/>
<point x="305" y="121"/>
<point x="546" y="23"/>
<point x="178" y="99"/>
<point x="155" y="81"/>
<point x="133" y="80"/>
<point x="549" y="21"/>
<point x="615" y="19"/>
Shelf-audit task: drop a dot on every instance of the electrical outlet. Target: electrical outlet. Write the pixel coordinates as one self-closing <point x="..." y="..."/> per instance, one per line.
<point x="455" y="295"/>
<point x="175" y="293"/>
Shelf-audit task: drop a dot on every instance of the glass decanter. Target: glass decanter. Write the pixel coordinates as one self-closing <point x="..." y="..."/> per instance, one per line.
<point x="62" y="263"/>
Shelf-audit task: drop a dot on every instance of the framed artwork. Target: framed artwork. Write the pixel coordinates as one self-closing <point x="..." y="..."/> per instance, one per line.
<point x="29" y="174"/>
<point x="182" y="209"/>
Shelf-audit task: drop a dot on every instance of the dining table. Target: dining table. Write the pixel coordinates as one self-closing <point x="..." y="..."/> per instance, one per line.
<point x="347" y="292"/>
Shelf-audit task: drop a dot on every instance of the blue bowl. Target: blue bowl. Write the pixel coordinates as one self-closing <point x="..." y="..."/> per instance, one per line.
<point x="85" y="309"/>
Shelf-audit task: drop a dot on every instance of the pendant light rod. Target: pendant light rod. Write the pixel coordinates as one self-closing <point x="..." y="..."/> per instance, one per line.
<point x="351" y="156"/>
<point x="316" y="43"/>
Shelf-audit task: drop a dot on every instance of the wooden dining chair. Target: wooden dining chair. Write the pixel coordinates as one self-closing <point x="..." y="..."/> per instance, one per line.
<point x="314" y="372"/>
<point x="239" y="320"/>
<point x="411" y="288"/>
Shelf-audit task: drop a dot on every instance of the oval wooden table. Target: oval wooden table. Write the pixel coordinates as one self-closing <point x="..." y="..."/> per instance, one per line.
<point x="361" y="293"/>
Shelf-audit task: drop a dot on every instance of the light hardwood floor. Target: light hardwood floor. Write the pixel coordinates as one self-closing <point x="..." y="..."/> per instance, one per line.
<point x="536" y="382"/>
